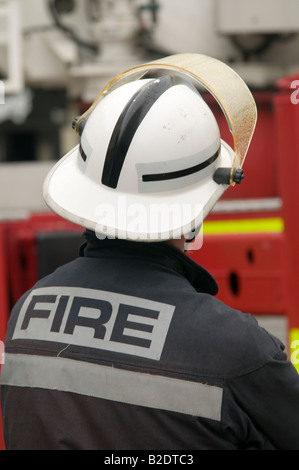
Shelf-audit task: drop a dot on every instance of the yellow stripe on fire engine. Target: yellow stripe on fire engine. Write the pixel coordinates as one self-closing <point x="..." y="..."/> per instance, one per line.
<point x="258" y="225"/>
<point x="294" y="347"/>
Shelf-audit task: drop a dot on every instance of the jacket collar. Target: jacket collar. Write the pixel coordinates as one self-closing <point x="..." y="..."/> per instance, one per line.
<point x="161" y="252"/>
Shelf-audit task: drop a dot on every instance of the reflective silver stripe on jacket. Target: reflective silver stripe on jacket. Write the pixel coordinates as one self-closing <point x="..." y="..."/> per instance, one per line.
<point x="152" y="391"/>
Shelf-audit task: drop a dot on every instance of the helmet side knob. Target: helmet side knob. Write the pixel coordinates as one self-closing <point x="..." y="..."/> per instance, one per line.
<point x="225" y="176"/>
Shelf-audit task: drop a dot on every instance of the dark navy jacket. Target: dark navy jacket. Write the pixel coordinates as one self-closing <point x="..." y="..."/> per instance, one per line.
<point x="127" y="347"/>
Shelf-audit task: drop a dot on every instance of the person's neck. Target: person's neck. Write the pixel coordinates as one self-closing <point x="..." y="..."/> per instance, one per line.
<point x="178" y="243"/>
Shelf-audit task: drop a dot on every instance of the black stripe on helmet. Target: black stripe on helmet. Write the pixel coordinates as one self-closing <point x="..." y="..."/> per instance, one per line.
<point x="128" y="123"/>
<point x="82" y="153"/>
<point x="180" y="173"/>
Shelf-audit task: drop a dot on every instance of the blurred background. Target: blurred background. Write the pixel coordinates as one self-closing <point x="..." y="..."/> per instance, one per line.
<point x="56" y="56"/>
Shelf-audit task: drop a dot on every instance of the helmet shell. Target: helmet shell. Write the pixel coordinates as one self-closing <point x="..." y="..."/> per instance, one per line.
<point x="144" y="167"/>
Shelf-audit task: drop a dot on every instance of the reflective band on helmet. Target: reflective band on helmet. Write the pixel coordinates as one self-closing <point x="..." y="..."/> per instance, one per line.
<point x="181" y="173"/>
<point x="85" y="148"/>
<point x="82" y="153"/>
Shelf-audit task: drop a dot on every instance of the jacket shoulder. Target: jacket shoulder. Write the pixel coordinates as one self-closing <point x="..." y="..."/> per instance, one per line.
<point x="230" y="342"/>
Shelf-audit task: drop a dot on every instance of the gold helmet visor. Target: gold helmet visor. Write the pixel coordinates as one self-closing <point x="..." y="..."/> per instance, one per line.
<point x="222" y="82"/>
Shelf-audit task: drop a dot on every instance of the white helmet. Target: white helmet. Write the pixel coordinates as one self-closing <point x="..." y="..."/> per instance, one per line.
<point x="150" y="164"/>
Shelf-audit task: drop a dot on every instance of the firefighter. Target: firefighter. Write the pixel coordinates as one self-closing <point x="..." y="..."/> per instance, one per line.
<point x="127" y="347"/>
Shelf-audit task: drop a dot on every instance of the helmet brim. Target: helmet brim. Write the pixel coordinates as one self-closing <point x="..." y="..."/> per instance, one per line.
<point x="156" y="216"/>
